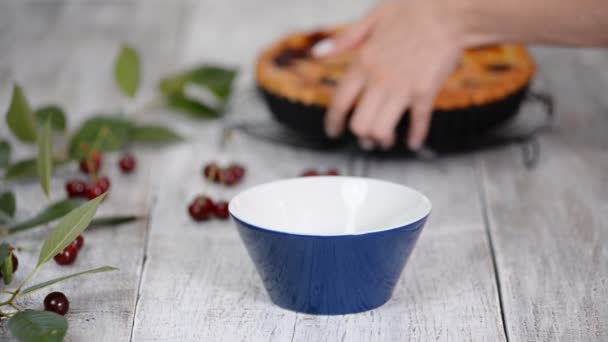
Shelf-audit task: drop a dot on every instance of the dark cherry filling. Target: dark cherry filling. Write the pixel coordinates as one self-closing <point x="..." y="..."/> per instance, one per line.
<point x="316" y="37"/>
<point x="499" y="67"/>
<point x="329" y="81"/>
<point x="288" y="55"/>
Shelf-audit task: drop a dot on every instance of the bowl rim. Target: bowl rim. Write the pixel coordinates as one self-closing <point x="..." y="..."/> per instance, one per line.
<point x="414" y="225"/>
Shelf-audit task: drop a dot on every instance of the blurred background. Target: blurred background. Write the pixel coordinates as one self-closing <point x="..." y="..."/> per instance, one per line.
<point x="62" y="50"/>
<point x="542" y="231"/>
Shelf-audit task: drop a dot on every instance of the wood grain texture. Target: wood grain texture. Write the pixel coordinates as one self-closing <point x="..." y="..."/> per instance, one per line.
<point x="209" y="283"/>
<point x="447" y="290"/>
<point x="199" y="273"/>
<point x="62" y="52"/>
<point x="548" y="225"/>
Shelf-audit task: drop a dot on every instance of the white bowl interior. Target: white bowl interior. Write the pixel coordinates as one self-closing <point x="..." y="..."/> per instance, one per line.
<point x="329" y="206"/>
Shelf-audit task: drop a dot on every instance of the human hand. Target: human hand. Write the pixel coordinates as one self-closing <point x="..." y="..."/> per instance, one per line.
<point x="407" y="48"/>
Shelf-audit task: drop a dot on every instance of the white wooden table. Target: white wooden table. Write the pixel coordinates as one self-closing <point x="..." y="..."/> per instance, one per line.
<point x="509" y="253"/>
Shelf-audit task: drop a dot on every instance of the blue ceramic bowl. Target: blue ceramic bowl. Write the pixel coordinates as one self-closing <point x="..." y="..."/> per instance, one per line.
<point x="330" y="245"/>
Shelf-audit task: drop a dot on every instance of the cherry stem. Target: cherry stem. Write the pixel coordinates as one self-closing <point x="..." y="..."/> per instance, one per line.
<point x="11" y="300"/>
<point x="212" y="174"/>
<point x="103" y="133"/>
<point x="148" y="106"/>
<point x="227" y="136"/>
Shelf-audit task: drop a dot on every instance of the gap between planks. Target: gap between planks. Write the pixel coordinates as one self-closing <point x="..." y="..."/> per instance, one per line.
<point x="144" y="259"/>
<point x="481" y="192"/>
<point x="154" y="200"/>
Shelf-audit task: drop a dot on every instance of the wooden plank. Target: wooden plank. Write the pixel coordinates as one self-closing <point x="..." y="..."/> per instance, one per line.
<point x="548" y="225"/>
<point x="447" y="290"/>
<point x="62" y="52"/>
<point x="200" y="272"/>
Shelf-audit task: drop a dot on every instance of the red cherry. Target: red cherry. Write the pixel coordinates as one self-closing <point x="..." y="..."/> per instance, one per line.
<point x="56" y="302"/>
<point x="200" y="208"/>
<point x="78" y="242"/>
<point x="92" y="163"/>
<point x="221" y="210"/>
<point x="238" y="170"/>
<point x="67" y="256"/>
<point x="127" y="163"/>
<point x="288" y="55"/>
<point x="15" y="262"/>
<point x="333" y="172"/>
<point x="76" y="188"/>
<point x="228" y="177"/>
<point x="103" y="183"/>
<point x="310" y="173"/>
<point x="93" y="191"/>
<point x="204" y="201"/>
<point x="212" y="172"/>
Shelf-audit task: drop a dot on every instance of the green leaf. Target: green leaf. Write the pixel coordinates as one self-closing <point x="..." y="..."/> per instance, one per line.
<point x="55" y="114"/>
<point x="6" y="269"/>
<point x="23" y="168"/>
<point x="5" y="154"/>
<point x="179" y="101"/>
<point x="45" y="157"/>
<point x="215" y="78"/>
<point x="6" y="263"/>
<point x="126" y="70"/>
<point x="7" y="204"/>
<point x="4" y="248"/>
<point x="4" y="254"/>
<point x="56" y="280"/>
<point x="154" y="134"/>
<point x="218" y="80"/>
<point x="19" y="117"/>
<point x="27" y="168"/>
<point x="101" y="133"/>
<point x="53" y="212"/>
<point x="38" y="326"/>
<point x="113" y="220"/>
<point x="74" y="223"/>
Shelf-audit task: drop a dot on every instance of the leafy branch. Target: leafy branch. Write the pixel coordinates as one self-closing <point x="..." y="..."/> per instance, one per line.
<point x="175" y="92"/>
<point x="201" y="92"/>
<point x="30" y="325"/>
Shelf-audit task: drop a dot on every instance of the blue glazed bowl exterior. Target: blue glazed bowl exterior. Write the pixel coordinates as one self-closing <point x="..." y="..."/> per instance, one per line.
<point x="330" y="275"/>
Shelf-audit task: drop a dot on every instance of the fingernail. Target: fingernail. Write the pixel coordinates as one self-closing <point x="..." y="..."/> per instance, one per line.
<point x="414" y="145"/>
<point x="366" y="144"/>
<point x="385" y="147"/>
<point x="323" y="47"/>
<point x="332" y="132"/>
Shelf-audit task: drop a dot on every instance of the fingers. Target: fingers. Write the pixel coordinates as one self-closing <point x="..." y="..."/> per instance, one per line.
<point x="378" y="114"/>
<point x="363" y="119"/>
<point x="388" y="117"/>
<point x="342" y="101"/>
<point x="401" y="64"/>
<point x="420" y="121"/>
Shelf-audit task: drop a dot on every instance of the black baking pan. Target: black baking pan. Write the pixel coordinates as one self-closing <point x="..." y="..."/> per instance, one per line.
<point x="450" y="130"/>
